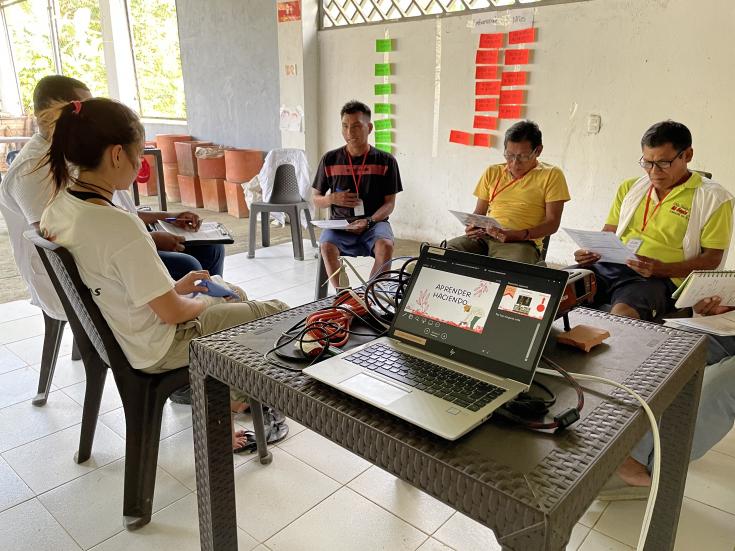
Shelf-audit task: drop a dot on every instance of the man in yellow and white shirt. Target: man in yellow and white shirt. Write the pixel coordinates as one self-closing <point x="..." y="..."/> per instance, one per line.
<point x="676" y="220"/>
<point x="524" y="195"/>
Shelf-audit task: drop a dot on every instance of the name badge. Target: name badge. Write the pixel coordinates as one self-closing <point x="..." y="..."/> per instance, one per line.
<point x="359" y="209"/>
<point x="633" y="245"/>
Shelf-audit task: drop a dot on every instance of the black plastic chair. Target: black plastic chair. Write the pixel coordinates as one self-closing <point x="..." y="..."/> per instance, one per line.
<point x="287" y="199"/>
<point x="143" y="395"/>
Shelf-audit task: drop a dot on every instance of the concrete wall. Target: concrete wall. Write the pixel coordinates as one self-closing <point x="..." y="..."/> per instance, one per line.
<point x="229" y="58"/>
<point x="631" y="62"/>
<point x="153" y="128"/>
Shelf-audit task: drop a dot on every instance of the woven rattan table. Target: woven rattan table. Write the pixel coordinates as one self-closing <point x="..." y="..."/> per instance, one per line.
<point x="529" y="488"/>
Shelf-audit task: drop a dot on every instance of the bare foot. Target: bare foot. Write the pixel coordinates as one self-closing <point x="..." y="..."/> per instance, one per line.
<point x="238" y="407"/>
<point x="239" y="439"/>
<point x="633" y="473"/>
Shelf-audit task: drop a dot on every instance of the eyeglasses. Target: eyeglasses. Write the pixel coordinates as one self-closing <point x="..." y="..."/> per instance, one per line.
<point x="521" y="157"/>
<point x="661" y="165"/>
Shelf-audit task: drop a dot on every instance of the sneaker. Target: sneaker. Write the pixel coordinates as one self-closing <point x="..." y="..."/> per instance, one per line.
<point x="181" y="396"/>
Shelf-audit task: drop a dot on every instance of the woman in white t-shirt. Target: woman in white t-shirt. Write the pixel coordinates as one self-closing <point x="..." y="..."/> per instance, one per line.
<point x="150" y="314"/>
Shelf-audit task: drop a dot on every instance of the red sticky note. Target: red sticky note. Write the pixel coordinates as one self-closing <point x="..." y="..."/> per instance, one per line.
<point x="487" y="72"/>
<point x="487" y="88"/>
<point x="523" y="36"/>
<point x="487" y="123"/>
<point x="483" y="140"/>
<point x="514" y="78"/>
<point x="494" y="40"/>
<point x="516" y="57"/>
<point x="512" y="97"/>
<point x="456" y="136"/>
<point x="487" y="57"/>
<point x="486" y="104"/>
<point x="510" y="111"/>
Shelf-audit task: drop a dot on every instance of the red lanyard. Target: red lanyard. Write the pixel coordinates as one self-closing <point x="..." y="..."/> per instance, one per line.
<point x="648" y="201"/>
<point x="352" y="170"/>
<point x="497" y="191"/>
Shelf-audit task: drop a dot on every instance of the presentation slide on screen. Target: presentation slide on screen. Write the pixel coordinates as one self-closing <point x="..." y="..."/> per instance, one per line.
<point x="525" y="302"/>
<point x="453" y="299"/>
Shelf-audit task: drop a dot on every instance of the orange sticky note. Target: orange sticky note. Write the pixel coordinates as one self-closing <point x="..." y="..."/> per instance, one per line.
<point x="484" y="122"/>
<point x="457" y="136"/>
<point x="512" y="97"/>
<point x="483" y="140"/>
<point x="514" y="78"/>
<point x="487" y="72"/>
<point x="487" y="88"/>
<point x="486" y="104"/>
<point x="494" y="40"/>
<point x="523" y="36"/>
<point x="487" y="57"/>
<point x="510" y="112"/>
<point x="517" y="57"/>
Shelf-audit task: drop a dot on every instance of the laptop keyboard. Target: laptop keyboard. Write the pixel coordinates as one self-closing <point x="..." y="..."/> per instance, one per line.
<point x="464" y="391"/>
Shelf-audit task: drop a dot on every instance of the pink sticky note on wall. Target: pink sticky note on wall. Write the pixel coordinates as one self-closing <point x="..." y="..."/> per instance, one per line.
<point x="514" y="78"/>
<point x="510" y="112"/>
<point x="524" y="36"/>
<point x="487" y="57"/>
<point x="457" y="136"/>
<point x="517" y="57"/>
<point x="486" y="104"/>
<point x="512" y="97"/>
<point x="485" y="122"/>
<point x="487" y="88"/>
<point x="483" y="140"/>
<point x="487" y="72"/>
<point x="494" y="40"/>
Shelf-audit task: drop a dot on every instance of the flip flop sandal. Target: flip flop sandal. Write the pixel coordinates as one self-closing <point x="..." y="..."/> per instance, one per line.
<point x="250" y="445"/>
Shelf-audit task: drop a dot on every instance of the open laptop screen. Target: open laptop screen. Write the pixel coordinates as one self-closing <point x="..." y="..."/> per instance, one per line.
<point x="490" y="314"/>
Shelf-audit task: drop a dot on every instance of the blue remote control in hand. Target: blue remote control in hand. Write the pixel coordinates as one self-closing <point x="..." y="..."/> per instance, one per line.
<point x="216" y="290"/>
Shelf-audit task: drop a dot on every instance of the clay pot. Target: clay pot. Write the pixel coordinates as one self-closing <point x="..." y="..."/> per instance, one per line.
<point x="171" y="182"/>
<point x="151" y="186"/>
<point x="211" y="168"/>
<point x="166" y="145"/>
<point x="191" y="191"/>
<point x="185" y="157"/>
<point x="213" y="193"/>
<point x="242" y="164"/>
<point x="236" y="205"/>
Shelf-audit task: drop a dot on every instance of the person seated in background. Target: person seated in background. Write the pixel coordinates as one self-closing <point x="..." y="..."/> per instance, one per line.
<point x="715" y="416"/>
<point x="676" y="220"/>
<point x="524" y="195"/>
<point x="358" y="183"/>
<point x="152" y="316"/>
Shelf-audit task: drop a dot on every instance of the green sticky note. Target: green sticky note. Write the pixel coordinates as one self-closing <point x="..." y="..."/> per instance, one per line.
<point x="384" y="147"/>
<point x="383" y="108"/>
<point x="383" y="124"/>
<point x="383" y="70"/>
<point x="384" y="45"/>
<point x="383" y="89"/>
<point x="384" y="136"/>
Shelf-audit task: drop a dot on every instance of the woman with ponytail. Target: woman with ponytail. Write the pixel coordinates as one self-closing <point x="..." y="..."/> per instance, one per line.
<point x="95" y="149"/>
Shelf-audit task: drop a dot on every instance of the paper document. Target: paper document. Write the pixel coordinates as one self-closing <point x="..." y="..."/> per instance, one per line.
<point x="330" y="224"/>
<point x="722" y="324"/>
<point x="208" y="232"/>
<point x="702" y="284"/>
<point x="604" y="243"/>
<point x="477" y="220"/>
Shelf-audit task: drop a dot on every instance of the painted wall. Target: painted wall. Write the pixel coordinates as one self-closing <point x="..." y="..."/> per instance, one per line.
<point x="153" y="128"/>
<point x="631" y="62"/>
<point x="229" y="57"/>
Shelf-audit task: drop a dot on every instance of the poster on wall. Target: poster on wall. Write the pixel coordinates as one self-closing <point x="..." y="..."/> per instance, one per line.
<point x="289" y="11"/>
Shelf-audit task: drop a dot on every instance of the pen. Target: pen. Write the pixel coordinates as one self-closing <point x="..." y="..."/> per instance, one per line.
<point x="170" y="219"/>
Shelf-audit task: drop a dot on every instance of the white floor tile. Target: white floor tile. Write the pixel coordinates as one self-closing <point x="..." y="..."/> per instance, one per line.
<point x="595" y="541"/>
<point x="175" y="527"/>
<point x="21" y="423"/>
<point x="18" y="309"/>
<point x="110" y="395"/>
<point x="328" y="527"/>
<point x="325" y="456"/>
<point x="49" y="461"/>
<point x="622" y="521"/>
<point x="593" y="513"/>
<point x="176" y="417"/>
<point x="295" y="296"/>
<point x="90" y="507"/>
<point x="19" y="385"/>
<point x="579" y="533"/>
<point x="16" y="330"/>
<point x="403" y="500"/>
<point x="67" y="372"/>
<point x="704" y="527"/>
<point x="30" y="527"/>
<point x="31" y="349"/>
<point x="726" y="445"/>
<point x="12" y="489"/>
<point x="9" y="361"/>
<point x="269" y="497"/>
<point x="710" y="480"/>
<point x="464" y="534"/>
<point x="433" y="545"/>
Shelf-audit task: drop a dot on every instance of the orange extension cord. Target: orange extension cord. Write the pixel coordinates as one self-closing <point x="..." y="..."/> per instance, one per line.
<point x="331" y="326"/>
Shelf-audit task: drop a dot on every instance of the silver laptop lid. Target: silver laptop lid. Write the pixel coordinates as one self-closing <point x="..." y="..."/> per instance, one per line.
<point x="493" y="315"/>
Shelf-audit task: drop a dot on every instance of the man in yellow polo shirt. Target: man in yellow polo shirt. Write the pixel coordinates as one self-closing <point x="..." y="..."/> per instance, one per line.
<point x="524" y="195"/>
<point x="675" y="219"/>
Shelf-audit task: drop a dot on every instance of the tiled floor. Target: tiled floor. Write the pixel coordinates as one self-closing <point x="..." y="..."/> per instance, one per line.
<point x="315" y="495"/>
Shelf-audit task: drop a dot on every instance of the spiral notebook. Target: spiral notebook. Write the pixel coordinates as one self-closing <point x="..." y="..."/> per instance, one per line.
<point x="701" y="284"/>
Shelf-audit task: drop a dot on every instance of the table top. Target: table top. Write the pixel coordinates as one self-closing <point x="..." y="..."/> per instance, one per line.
<point x="522" y="484"/>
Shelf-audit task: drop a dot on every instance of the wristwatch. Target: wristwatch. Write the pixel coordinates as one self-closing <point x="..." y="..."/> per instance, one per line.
<point x="370" y="222"/>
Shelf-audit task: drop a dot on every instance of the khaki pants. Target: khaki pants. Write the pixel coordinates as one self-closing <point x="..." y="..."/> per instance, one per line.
<point x="213" y="319"/>
<point x="519" y="251"/>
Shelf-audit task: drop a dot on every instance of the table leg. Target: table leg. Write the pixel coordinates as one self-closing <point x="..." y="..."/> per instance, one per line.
<point x="214" y="464"/>
<point x="160" y="184"/>
<point x="256" y="408"/>
<point x="676" y="428"/>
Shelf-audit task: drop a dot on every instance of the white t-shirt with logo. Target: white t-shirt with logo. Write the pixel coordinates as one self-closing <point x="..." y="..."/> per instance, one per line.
<point x="117" y="260"/>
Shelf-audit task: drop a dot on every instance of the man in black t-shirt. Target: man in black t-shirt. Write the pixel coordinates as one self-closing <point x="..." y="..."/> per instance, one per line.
<point x="358" y="183"/>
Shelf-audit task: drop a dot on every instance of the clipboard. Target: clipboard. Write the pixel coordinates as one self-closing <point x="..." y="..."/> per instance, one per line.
<point x="210" y="233"/>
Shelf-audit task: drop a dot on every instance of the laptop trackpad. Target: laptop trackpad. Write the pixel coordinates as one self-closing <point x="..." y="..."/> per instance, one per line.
<point x="371" y="388"/>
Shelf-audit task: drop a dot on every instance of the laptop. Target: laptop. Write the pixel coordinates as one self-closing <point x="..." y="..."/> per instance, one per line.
<point x="466" y="338"/>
